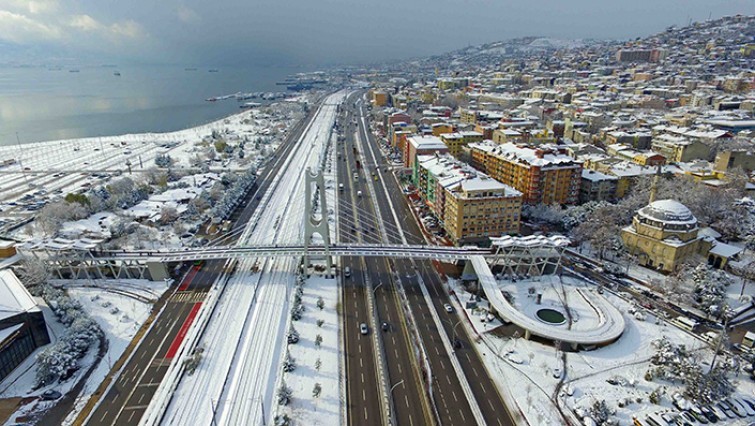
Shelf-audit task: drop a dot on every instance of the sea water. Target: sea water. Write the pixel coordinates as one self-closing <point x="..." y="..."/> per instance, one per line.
<point x="40" y="103"/>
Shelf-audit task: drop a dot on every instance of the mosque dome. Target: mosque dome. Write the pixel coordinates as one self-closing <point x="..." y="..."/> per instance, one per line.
<point x="668" y="213"/>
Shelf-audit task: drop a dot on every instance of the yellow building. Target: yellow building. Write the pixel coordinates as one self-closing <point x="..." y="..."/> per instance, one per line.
<point x="468" y="116"/>
<point x="446" y="84"/>
<point x="379" y="98"/>
<point x="455" y="141"/>
<point x="679" y="149"/>
<point x="663" y="234"/>
<point x="479" y="208"/>
<point x="442" y="128"/>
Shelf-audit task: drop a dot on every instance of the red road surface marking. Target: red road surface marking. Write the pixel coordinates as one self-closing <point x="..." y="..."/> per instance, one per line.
<point x="188" y="278"/>
<point x="182" y="332"/>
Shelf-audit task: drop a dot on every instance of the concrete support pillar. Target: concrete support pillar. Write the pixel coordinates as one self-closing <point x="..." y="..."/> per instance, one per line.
<point x="311" y="224"/>
<point x="157" y="271"/>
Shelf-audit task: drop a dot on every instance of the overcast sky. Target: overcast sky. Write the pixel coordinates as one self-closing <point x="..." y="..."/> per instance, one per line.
<point x="318" y="32"/>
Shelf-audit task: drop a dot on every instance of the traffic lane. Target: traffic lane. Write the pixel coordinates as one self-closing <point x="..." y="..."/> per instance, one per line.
<point x="450" y="397"/>
<point x="483" y="388"/>
<point x="364" y="406"/>
<point x="487" y="402"/>
<point x="158" y="339"/>
<point x="408" y="397"/>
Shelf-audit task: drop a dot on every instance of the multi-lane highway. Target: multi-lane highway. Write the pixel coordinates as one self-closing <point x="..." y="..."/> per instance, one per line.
<point x="399" y="374"/>
<point x="127" y="399"/>
<point x="449" y="397"/>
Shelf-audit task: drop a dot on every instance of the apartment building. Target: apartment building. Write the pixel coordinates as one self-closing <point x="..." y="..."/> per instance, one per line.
<point x="469" y="205"/>
<point x="455" y="141"/>
<point x="544" y="175"/>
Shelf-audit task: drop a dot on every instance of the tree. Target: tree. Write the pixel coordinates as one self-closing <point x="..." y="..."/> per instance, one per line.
<point x="320" y="303"/>
<point x="601" y="230"/>
<point x="318" y="340"/>
<point x="293" y="336"/>
<point x="289" y="364"/>
<point x="707" y="388"/>
<point x="316" y="390"/>
<point x="77" y="198"/>
<point x="168" y="214"/>
<point x="34" y="274"/>
<point x="710" y="288"/>
<point x="163" y="160"/>
<point x="284" y="394"/>
<point x="600" y="412"/>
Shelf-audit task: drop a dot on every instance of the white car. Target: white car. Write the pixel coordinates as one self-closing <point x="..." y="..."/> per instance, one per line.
<point x="363" y="329"/>
<point x="448" y="308"/>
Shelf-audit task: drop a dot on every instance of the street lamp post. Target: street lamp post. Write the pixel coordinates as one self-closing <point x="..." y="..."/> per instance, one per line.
<point x="376" y="287"/>
<point x="390" y="393"/>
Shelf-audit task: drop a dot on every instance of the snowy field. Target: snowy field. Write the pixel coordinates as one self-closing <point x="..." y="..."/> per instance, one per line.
<point x="244" y="341"/>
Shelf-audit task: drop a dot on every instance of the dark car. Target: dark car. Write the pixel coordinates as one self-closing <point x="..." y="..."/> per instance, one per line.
<point x="50" y="395"/>
<point x="384" y="326"/>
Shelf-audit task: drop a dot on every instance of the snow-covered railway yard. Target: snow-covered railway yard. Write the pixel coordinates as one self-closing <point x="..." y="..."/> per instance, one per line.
<point x="244" y="341"/>
<point x="33" y="174"/>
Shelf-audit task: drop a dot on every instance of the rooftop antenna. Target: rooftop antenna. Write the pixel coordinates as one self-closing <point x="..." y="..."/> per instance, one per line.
<point x="654" y="185"/>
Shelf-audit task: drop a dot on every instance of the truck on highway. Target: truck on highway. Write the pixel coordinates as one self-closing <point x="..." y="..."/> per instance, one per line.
<point x="359" y="194"/>
<point x="340" y="187"/>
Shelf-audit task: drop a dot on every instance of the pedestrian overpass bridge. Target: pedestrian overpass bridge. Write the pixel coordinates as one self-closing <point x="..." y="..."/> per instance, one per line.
<point x="443" y="253"/>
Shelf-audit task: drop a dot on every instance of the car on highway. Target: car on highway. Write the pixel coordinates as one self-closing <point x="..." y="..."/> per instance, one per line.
<point x="384" y="326"/>
<point x="347" y="272"/>
<point x="50" y="395"/>
<point x="363" y="329"/>
<point x="448" y="308"/>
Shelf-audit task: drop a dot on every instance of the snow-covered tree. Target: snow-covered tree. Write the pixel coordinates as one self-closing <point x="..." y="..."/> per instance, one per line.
<point x="293" y="335"/>
<point x="316" y="390"/>
<point x="710" y="288"/>
<point x="289" y="363"/>
<point x="706" y="388"/>
<point x="284" y="394"/>
<point x="600" y="412"/>
<point x="163" y="160"/>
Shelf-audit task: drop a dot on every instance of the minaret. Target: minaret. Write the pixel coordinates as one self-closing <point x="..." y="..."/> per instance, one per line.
<point x="654" y="185"/>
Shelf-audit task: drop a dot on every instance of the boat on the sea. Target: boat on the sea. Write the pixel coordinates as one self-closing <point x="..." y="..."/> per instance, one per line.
<point x="212" y="70"/>
<point x="117" y="74"/>
<point x="190" y="69"/>
<point x="73" y="70"/>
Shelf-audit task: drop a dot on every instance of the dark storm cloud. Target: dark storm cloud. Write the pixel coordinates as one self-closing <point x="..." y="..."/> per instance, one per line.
<point x="330" y="31"/>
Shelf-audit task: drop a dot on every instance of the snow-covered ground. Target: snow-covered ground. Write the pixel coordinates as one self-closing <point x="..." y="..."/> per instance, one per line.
<point x="304" y="407"/>
<point x="120" y="315"/>
<point x="536" y="367"/>
<point x="244" y="341"/>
